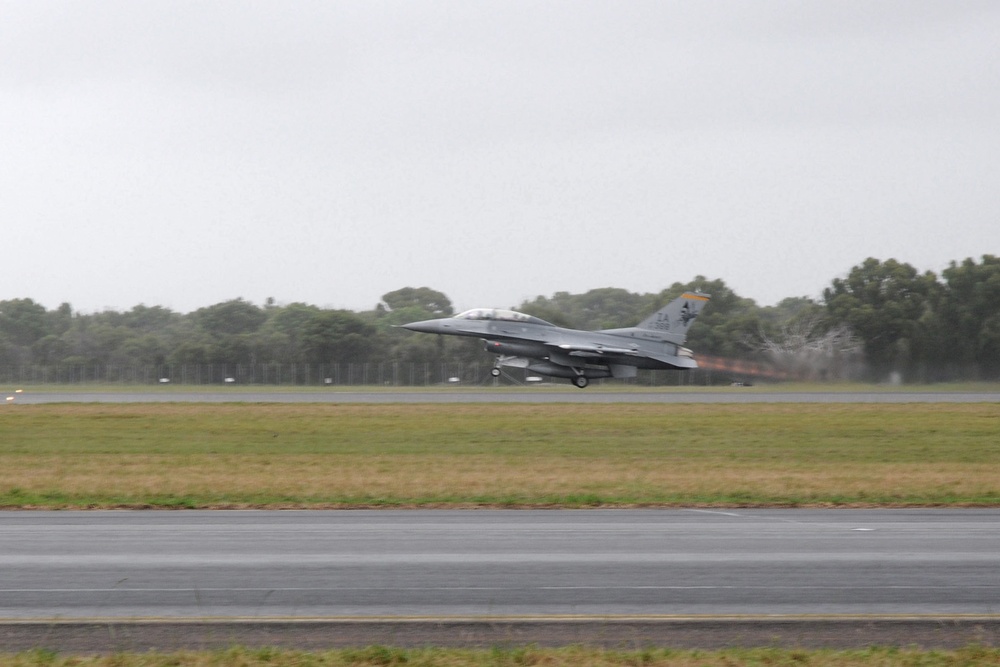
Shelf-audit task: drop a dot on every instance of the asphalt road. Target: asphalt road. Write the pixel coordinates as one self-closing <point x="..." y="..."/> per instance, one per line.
<point x="138" y="581"/>
<point x="533" y="395"/>
<point x="605" y="563"/>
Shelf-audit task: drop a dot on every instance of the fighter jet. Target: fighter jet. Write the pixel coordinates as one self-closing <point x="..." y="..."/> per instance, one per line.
<point x="523" y="341"/>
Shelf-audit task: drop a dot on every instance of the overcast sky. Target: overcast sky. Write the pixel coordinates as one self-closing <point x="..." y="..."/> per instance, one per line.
<point x="185" y="153"/>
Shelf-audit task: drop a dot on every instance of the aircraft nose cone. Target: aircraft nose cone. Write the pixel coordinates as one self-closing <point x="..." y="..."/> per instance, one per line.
<point x="426" y="326"/>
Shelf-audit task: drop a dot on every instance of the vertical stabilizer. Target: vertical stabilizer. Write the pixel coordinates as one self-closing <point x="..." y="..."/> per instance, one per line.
<point x="674" y="319"/>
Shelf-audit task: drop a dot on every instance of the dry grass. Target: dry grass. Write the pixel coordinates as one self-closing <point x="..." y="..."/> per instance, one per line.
<point x="501" y="455"/>
<point x="574" y="656"/>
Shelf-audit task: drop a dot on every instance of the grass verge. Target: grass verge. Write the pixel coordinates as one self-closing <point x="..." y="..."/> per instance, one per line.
<point x="554" y="657"/>
<point x="450" y="455"/>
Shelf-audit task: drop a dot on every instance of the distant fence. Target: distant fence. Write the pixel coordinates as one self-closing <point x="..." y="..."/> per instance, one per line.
<point x="392" y="374"/>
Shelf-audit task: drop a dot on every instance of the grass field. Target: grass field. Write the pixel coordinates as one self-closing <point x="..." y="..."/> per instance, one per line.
<point x="461" y="455"/>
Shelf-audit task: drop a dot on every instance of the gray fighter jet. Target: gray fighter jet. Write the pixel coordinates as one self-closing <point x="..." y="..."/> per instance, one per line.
<point x="528" y="342"/>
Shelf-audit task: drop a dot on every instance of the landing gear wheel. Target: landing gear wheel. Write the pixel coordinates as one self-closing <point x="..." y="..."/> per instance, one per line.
<point x="580" y="381"/>
<point x="495" y="372"/>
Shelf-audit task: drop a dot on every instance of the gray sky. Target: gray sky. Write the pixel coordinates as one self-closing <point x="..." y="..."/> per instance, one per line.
<point x="185" y="153"/>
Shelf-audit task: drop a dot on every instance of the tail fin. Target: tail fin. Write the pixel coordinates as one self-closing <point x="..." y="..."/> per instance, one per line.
<point x="674" y="319"/>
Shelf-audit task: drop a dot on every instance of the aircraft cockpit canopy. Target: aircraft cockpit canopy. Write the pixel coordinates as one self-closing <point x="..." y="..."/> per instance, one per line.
<point x="501" y="315"/>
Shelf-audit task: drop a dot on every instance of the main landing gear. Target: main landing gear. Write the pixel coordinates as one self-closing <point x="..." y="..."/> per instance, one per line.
<point x="495" y="371"/>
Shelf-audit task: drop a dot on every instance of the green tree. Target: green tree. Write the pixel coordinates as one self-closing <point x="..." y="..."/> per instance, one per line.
<point x="608" y="308"/>
<point x="230" y="328"/>
<point x="602" y="308"/>
<point x="230" y="317"/>
<point x="432" y="302"/>
<point x="22" y="321"/>
<point x="337" y="336"/>
<point x="149" y="319"/>
<point x="970" y="314"/>
<point x="96" y="339"/>
<point x="59" y="321"/>
<point x="194" y="350"/>
<point x="792" y="309"/>
<point x="543" y="308"/>
<point x="884" y="303"/>
<point x="280" y="339"/>
<point x="146" y="350"/>
<point x="49" y="350"/>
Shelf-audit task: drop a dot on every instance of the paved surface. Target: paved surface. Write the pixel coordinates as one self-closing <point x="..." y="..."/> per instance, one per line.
<point x="536" y="395"/>
<point x="498" y="563"/>
<point x="123" y="580"/>
<point x="110" y="636"/>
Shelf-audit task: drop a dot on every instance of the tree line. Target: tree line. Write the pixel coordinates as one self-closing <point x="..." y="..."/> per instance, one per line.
<point x="884" y="320"/>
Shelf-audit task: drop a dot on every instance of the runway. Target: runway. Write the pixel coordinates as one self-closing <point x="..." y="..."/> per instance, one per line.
<point x="480" y="576"/>
<point x="255" y="564"/>
<point x="502" y="395"/>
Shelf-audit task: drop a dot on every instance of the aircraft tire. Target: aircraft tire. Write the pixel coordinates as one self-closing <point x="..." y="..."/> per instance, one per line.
<point x="581" y="382"/>
<point x="495" y="372"/>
